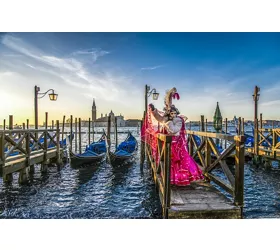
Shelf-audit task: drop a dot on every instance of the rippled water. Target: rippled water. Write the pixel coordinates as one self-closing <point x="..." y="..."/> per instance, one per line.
<point x="120" y="192"/>
<point x="89" y="192"/>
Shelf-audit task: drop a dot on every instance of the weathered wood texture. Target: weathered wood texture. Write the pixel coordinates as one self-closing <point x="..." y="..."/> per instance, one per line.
<point x="201" y="200"/>
<point x="23" y="150"/>
<point x="272" y="151"/>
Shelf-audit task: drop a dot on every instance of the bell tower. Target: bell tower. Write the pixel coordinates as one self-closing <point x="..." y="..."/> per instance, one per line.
<point x="93" y="111"/>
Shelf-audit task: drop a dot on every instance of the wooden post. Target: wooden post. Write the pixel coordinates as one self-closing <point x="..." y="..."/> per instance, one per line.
<point x="89" y="125"/>
<point x="243" y="126"/>
<point x="261" y="121"/>
<point x="23" y="125"/>
<point x="109" y="130"/>
<point x="76" y="135"/>
<point x="4" y="124"/>
<point x="272" y="124"/>
<point x="239" y="126"/>
<point x="71" y="131"/>
<point x="274" y="142"/>
<point x="239" y="171"/>
<point x="52" y="124"/>
<point x="22" y="178"/>
<point x="116" y="132"/>
<point x="58" y="143"/>
<point x="146" y="97"/>
<point x="190" y="125"/>
<point x="93" y="129"/>
<point x="63" y="124"/>
<point x="142" y="154"/>
<point x="2" y="150"/>
<point x="191" y="145"/>
<point x="27" y="123"/>
<point x="206" y="125"/>
<point x="256" y="158"/>
<point x="9" y="177"/>
<point x="199" y="126"/>
<point x="145" y="136"/>
<point x="226" y="123"/>
<point x="46" y="120"/>
<point x="256" y="135"/>
<point x="44" y="167"/>
<point x="167" y="166"/>
<point x="202" y="123"/>
<point x="27" y="146"/>
<point x="207" y="153"/>
<point x="11" y="124"/>
<point x="80" y="136"/>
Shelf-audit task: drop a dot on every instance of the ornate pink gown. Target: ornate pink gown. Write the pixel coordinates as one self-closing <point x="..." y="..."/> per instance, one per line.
<point x="184" y="169"/>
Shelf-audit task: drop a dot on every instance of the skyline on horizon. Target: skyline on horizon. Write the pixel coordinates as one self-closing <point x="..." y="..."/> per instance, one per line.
<point x="113" y="68"/>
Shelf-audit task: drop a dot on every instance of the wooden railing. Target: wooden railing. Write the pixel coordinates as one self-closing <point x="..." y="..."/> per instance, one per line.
<point x="272" y="140"/>
<point x="21" y="144"/>
<point x="205" y="152"/>
<point x="160" y="160"/>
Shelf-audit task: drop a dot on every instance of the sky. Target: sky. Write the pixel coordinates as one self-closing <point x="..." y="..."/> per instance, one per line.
<point x="113" y="68"/>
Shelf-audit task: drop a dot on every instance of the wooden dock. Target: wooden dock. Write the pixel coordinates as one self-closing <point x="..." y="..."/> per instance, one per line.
<point x="200" y="199"/>
<point x="266" y="146"/>
<point x="21" y="149"/>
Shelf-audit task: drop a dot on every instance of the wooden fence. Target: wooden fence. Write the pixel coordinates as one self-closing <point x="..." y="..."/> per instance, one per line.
<point x="204" y="153"/>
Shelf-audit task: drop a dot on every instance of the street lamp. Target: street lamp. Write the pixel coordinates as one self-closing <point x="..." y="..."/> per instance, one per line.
<point x="52" y="96"/>
<point x="148" y="93"/>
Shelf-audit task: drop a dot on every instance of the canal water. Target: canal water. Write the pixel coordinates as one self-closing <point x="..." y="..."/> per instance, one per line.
<point x="117" y="192"/>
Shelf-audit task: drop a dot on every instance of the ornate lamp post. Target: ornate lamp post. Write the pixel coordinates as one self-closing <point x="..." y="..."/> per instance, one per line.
<point x="37" y="95"/>
<point x="148" y="93"/>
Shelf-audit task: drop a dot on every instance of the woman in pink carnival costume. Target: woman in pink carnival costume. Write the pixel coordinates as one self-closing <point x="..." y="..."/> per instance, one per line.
<point x="184" y="169"/>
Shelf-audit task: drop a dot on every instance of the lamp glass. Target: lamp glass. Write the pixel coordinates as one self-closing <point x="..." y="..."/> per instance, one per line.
<point x="53" y="96"/>
<point x="155" y="96"/>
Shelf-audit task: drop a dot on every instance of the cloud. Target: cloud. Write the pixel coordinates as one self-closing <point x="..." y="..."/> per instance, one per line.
<point x="95" y="53"/>
<point x="274" y="103"/>
<point x="152" y="68"/>
<point x="73" y="70"/>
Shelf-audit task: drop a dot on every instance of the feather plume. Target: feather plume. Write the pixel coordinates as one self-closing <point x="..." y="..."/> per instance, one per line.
<point x="168" y="98"/>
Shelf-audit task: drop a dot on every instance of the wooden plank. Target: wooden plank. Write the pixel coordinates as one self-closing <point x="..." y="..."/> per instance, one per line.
<point x="16" y="165"/>
<point x="211" y="135"/>
<point x="175" y="198"/>
<point x="201" y="200"/>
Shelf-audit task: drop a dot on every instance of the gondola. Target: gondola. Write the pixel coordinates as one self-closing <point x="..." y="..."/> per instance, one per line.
<point x="125" y="152"/>
<point x="94" y="153"/>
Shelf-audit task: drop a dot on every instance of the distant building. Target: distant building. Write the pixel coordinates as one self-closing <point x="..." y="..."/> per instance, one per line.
<point x="103" y="121"/>
<point x="93" y="111"/>
<point x="132" y="123"/>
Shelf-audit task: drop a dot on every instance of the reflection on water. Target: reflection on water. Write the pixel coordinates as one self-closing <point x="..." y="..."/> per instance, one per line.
<point x="117" y="192"/>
